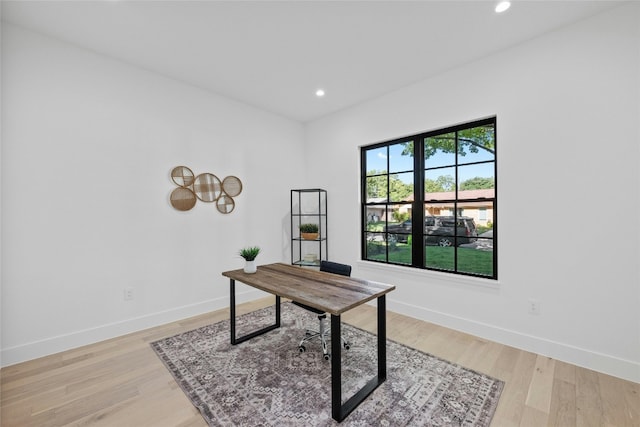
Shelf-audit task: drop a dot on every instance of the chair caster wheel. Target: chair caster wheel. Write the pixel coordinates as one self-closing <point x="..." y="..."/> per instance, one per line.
<point x="347" y="346"/>
<point x="327" y="356"/>
<point x="302" y="349"/>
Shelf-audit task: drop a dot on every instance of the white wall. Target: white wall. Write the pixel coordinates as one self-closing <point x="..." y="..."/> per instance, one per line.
<point x="88" y="144"/>
<point x="567" y="107"/>
<point x="0" y="193"/>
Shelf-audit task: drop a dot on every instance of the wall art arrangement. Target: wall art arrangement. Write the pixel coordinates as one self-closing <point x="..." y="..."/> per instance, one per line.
<point x="205" y="187"/>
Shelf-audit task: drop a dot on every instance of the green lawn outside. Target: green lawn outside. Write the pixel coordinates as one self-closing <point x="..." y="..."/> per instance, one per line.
<point x="469" y="260"/>
<point x="376" y="226"/>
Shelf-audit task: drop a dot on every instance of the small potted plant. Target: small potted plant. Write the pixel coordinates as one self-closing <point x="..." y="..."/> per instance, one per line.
<point x="249" y="254"/>
<point x="309" y="231"/>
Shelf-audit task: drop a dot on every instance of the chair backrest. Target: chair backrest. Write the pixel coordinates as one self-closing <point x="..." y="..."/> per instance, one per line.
<point x="336" y="268"/>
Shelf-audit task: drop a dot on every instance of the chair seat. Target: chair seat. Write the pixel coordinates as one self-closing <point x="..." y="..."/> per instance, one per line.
<point x="306" y="307"/>
<point x="329" y="267"/>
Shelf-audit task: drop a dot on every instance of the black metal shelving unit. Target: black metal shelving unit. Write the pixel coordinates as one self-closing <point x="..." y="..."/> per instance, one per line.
<point x="308" y="206"/>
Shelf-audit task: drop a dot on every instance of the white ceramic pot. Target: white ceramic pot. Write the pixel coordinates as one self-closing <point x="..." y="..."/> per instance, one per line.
<point x="250" y="266"/>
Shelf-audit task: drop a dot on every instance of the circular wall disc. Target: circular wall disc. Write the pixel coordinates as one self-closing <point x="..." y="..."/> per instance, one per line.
<point x="183" y="199"/>
<point x="225" y="204"/>
<point x="232" y="186"/>
<point x="182" y="176"/>
<point x="207" y="187"/>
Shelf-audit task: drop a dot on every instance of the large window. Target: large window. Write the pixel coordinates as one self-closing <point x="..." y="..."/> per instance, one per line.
<point x="429" y="200"/>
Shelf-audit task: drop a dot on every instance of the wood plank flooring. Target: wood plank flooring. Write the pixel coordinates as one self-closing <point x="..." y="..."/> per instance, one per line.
<point x="121" y="382"/>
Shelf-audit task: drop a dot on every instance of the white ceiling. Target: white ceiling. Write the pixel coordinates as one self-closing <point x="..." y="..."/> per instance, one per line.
<point x="274" y="55"/>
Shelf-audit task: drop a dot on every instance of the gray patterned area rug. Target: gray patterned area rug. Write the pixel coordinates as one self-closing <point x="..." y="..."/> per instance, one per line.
<point x="267" y="382"/>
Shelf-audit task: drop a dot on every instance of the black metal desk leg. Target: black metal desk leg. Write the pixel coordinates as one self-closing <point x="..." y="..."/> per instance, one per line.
<point x="336" y="370"/>
<point x="340" y="411"/>
<point x="232" y="307"/>
<point x="382" y="338"/>
<point x="232" y="319"/>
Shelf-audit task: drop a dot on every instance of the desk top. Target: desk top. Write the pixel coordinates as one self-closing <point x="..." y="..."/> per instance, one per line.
<point x="329" y="292"/>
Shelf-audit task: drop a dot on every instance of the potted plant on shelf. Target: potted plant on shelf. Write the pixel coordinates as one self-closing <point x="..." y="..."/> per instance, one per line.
<point x="309" y="231"/>
<point x="249" y="254"/>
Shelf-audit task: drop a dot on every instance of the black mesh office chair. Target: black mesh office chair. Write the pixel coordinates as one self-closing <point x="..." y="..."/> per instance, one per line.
<point x="322" y="333"/>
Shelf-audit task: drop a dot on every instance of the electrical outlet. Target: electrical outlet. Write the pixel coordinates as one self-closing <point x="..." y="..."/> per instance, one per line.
<point x="128" y="294"/>
<point x="534" y="307"/>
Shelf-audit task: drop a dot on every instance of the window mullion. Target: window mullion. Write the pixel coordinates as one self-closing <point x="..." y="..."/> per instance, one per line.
<point x="417" y="210"/>
<point x="363" y="207"/>
<point x="386" y="207"/>
<point x="455" y="207"/>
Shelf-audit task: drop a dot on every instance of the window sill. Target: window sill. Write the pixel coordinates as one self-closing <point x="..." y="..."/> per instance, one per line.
<point x="419" y="274"/>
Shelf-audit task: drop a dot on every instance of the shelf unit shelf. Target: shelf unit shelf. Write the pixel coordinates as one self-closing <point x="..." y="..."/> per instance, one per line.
<point x="308" y="206"/>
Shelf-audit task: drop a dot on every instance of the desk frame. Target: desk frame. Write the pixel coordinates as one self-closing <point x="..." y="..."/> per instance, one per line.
<point x="339" y="411"/>
<point x="234" y="340"/>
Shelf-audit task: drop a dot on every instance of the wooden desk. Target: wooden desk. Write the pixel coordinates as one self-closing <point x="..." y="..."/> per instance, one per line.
<point x="331" y="293"/>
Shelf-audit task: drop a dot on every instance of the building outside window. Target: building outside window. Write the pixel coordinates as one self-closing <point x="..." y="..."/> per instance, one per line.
<point x="429" y="200"/>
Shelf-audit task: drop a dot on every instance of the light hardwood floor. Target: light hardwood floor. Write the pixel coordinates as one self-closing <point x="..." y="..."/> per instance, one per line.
<point x="121" y="382"/>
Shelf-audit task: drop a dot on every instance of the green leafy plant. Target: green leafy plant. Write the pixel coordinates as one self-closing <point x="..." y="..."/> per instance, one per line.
<point x="308" y="228"/>
<point x="249" y="253"/>
<point x="400" y="217"/>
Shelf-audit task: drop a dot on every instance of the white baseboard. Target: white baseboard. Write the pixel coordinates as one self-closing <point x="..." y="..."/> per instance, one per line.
<point x="617" y="367"/>
<point x="36" y="349"/>
<point x="621" y="368"/>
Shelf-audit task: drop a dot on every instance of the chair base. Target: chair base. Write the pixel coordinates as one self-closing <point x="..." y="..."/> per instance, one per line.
<point x="323" y="333"/>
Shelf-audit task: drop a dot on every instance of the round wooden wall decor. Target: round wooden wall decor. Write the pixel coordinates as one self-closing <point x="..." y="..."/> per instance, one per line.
<point x="232" y="186"/>
<point x="225" y="204"/>
<point x="207" y="187"/>
<point x="182" y="176"/>
<point x="183" y="199"/>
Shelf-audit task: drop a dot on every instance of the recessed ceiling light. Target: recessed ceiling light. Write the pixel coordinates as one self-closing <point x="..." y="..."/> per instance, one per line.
<point x="503" y="6"/>
<point x="320" y="93"/>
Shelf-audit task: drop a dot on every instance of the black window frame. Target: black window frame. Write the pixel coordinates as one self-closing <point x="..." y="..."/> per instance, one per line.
<point x="420" y="200"/>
